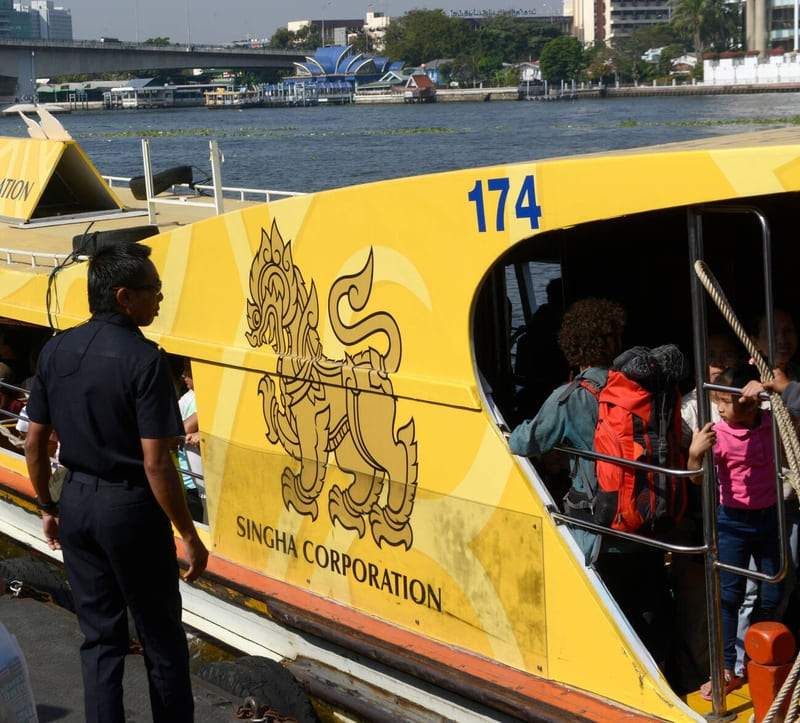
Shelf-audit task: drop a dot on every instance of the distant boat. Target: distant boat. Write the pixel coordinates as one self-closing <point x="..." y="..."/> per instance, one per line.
<point x="230" y="98"/>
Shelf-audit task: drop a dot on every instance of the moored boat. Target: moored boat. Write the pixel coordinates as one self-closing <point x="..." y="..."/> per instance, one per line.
<point x="229" y="97"/>
<point x="355" y="386"/>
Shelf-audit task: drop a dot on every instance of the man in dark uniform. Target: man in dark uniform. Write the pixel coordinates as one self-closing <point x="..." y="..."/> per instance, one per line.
<point x="107" y="392"/>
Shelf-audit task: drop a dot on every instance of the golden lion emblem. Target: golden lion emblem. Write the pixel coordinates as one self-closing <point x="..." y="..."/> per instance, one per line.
<point x="324" y="407"/>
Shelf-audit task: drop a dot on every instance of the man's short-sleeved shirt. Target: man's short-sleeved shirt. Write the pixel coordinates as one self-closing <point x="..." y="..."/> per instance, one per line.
<point x="104" y="387"/>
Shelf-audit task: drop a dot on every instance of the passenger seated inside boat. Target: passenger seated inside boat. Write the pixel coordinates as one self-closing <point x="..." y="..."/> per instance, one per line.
<point x="10" y="398"/>
<point x="188" y="449"/>
<point x="539" y="364"/>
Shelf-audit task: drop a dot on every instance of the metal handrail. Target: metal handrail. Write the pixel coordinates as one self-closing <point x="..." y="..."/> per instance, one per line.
<point x="668" y="546"/>
<point x="700" y="333"/>
<point x="236" y="192"/>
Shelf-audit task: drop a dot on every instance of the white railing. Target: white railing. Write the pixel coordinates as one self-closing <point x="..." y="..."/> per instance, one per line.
<point x="214" y="193"/>
<point x="19" y="256"/>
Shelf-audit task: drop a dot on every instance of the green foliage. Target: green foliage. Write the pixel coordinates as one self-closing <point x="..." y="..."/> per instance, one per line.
<point x="361" y="42"/>
<point x="422" y="35"/>
<point x="309" y="36"/>
<point x="601" y="64"/>
<point x="538" y="35"/>
<point x="562" y="59"/>
<point x="502" y="36"/>
<point x="706" y="24"/>
<point x="157" y="41"/>
<point x="281" y="38"/>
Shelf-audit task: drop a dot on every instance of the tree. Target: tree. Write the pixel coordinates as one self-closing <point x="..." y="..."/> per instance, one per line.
<point x="157" y="41"/>
<point x="281" y="38"/>
<point x="308" y="36"/>
<point x="422" y="35"/>
<point x="361" y="42"/>
<point x="562" y="59"/>
<point x="688" y="19"/>
<point x="488" y="66"/>
<point x="707" y="22"/>
<point x="500" y="36"/>
<point x="538" y="34"/>
<point x="601" y="64"/>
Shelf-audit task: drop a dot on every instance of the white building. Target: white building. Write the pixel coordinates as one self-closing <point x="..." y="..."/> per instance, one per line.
<point x="597" y="21"/>
<point x="375" y="30"/>
<point x="341" y="32"/>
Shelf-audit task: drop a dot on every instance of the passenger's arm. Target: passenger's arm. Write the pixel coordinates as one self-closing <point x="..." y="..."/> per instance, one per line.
<point x="534" y="437"/>
<point x="702" y="441"/>
<point x="168" y="490"/>
<point x="190" y="424"/>
<point x="790" y="395"/>
<point x="39" y="471"/>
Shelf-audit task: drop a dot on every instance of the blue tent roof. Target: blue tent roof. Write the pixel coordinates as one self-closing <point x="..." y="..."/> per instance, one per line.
<point x="343" y="62"/>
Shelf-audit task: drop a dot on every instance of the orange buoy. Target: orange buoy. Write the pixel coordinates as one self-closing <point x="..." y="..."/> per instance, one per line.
<point x="770" y="647"/>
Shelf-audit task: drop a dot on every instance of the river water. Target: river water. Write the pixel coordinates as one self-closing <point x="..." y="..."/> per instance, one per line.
<point x="311" y="149"/>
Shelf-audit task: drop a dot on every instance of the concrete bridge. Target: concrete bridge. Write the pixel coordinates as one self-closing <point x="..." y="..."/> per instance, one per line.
<point x="22" y="61"/>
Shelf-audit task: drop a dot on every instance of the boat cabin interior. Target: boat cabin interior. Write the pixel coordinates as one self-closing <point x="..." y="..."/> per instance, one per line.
<point x="641" y="261"/>
<point x="645" y="263"/>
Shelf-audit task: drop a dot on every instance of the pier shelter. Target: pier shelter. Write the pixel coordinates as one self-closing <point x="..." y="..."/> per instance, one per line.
<point x="337" y="71"/>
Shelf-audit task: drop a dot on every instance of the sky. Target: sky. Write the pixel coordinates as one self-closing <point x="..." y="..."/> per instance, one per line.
<point x="223" y="21"/>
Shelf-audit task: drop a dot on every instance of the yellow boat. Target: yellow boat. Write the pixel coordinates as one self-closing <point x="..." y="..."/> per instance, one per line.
<point x="353" y="360"/>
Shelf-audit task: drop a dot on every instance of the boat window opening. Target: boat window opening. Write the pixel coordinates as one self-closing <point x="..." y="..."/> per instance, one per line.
<point x="643" y="262"/>
<point x="20" y="345"/>
<point x="188" y="459"/>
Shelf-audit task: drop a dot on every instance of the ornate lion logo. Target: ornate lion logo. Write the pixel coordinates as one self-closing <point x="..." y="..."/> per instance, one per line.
<point x="323" y="407"/>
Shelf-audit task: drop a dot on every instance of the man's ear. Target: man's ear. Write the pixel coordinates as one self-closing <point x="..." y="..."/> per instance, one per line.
<point x="123" y="297"/>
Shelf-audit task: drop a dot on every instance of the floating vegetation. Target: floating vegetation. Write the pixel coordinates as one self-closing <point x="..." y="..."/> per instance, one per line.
<point x="792" y="120"/>
<point x="281" y="132"/>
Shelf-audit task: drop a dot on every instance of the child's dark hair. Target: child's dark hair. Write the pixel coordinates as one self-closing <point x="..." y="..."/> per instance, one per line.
<point x="737" y="376"/>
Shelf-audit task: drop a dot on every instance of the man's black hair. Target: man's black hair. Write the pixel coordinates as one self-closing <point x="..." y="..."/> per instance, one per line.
<point x="116" y="265"/>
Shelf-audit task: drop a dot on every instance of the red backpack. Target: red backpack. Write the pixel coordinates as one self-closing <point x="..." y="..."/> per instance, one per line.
<point x="639" y="419"/>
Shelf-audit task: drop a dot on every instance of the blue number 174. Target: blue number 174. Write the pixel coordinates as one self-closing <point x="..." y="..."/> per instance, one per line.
<point x="525" y="206"/>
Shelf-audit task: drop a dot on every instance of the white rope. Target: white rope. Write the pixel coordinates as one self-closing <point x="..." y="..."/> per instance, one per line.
<point x="791" y="446"/>
<point x="786" y="427"/>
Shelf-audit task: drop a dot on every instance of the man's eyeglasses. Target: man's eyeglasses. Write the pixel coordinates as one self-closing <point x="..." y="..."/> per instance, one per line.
<point x="154" y="286"/>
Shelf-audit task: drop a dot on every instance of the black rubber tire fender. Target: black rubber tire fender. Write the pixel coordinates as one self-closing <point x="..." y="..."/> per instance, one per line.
<point x="265" y="680"/>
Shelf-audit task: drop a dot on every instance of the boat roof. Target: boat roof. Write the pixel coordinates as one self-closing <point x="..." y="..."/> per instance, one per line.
<point x="570" y="189"/>
<point x="785" y="136"/>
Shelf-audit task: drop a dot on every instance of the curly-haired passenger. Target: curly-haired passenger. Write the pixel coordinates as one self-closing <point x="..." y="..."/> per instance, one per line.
<point x="591" y="332"/>
<point x="590" y="338"/>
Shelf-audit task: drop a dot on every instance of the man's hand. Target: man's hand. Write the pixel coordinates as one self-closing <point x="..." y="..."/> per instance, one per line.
<point x="50" y="528"/>
<point x="168" y="490"/>
<point x="196" y="554"/>
<point x="39" y="470"/>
